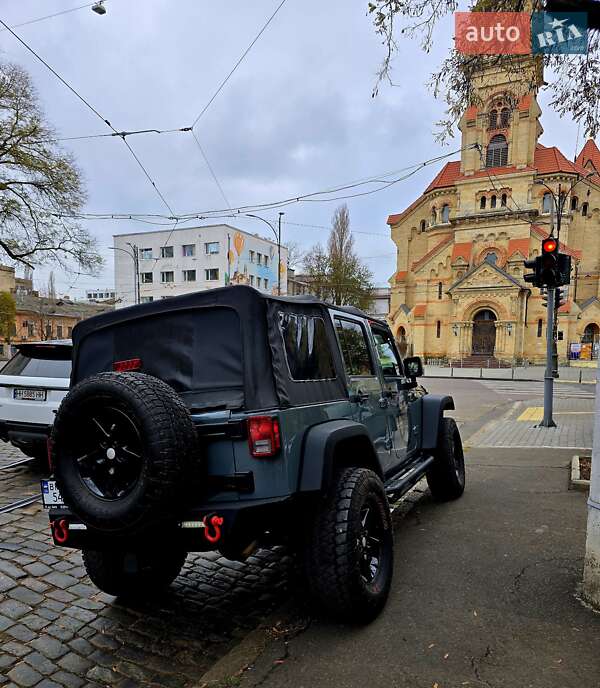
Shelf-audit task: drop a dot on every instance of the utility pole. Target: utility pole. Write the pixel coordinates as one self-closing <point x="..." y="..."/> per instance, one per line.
<point x="279" y="257"/>
<point x="591" y="567"/>
<point x="548" y="421"/>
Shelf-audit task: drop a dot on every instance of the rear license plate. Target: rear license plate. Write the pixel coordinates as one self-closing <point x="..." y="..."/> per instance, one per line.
<point x="30" y="394"/>
<point x="50" y="494"/>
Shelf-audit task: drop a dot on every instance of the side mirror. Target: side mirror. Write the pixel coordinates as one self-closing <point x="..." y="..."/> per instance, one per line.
<point x="413" y="367"/>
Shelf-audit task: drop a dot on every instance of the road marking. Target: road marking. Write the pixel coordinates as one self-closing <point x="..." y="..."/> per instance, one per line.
<point x="532" y="413"/>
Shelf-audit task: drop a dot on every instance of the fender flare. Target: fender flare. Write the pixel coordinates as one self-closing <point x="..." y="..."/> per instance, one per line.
<point x="318" y="455"/>
<point x="434" y="406"/>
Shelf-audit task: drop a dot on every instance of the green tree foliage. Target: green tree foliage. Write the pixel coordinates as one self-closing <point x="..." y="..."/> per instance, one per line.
<point x="572" y="80"/>
<point x="337" y="273"/>
<point x="41" y="189"/>
<point x="7" y="316"/>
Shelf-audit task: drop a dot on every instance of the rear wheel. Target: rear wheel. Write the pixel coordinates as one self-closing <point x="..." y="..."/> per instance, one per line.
<point x="446" y="477"/>
<point x="350" y="552"/>
<point x="132" y="574"/>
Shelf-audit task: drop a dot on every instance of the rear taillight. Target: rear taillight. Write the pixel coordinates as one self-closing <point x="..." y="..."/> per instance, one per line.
<point x="264" y="436"/>
<point x="128" y="365"/>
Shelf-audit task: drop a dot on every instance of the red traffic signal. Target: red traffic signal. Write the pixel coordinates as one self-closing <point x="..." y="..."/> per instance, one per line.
<point x="549" y="245"/>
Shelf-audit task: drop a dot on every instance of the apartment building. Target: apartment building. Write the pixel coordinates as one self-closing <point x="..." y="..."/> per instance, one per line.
<point x="170" y="263"/>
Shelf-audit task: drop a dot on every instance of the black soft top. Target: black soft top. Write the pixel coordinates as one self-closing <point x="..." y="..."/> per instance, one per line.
<point x="220" y="348"/>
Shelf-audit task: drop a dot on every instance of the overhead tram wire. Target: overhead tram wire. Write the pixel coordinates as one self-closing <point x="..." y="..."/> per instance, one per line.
<point x="51" y="16"/>
<point x="93" y="109"/>
<point x="210" y="168"/>
<point x="121" y="134"/>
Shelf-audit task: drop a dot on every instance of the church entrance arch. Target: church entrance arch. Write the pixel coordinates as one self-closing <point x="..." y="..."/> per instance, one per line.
<point x="484" y="332"/>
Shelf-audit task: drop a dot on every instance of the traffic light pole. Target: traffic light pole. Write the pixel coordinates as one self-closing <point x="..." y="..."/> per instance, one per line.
<point x="548" y="422"/>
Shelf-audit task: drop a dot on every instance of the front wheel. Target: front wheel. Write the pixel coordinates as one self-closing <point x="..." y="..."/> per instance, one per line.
<point x="132" y="574"/>
<point x="446" y="477"/>
<point x="350" y="551"/>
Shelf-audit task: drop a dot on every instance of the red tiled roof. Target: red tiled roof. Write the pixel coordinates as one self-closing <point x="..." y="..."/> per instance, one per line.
<point x="419" y="310"/>
<point x="518" y="246"/>
<point x="589" y="153"/>
<point x="541" y="233"/>
<point x="565" y="308"/>
<point x="394" y="219"/>
<point x="438" y="247"/>
<point x="449" y="173"/>
<point x="548" y="160"/>
<point x="462" y="251"/>
<point x="401" y="276"/>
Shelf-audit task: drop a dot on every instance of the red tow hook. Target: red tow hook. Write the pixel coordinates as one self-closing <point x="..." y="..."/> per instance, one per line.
<point x="60" y="530"/>
<point x="215" y="522"/>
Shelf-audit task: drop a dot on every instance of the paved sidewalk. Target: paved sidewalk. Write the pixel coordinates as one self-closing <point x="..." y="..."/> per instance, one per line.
<point x="520" y="427"/>
<point x="484" y="594"/>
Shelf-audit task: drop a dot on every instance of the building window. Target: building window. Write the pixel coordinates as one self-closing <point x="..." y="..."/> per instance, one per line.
<point x="259" y="258"/>
<point x="547" y="202"/>
<point x="59" y="332"/>
<point x="266" y="283"/>
<point x="539" y="328"/>
<point x="445" y="213"/>
<point x="258" y="282"/>
<point x="493" y="119"/>
<point x="266" y="261"/>
<point x="574" y="203"/>
<point x="49" y="331"/>
<point x="189" y="275"/>
<point x="497" y="152"/>
<point x="439" y="290"/>
<point x="438" y="329"/>
<point x="69" y="331"/>
<point x="584" y="209"/>
<point x="251" y="280"/>
<point x="433" y="216"/>
<point x="168" y="276"/>
<point x="147" y="277"/>
<point x="482" y="202"/>
<point x="503" y="200"/>
<point x="211" y="248"/>
<point x="491" y="257"/>
<point x="147" y="299"/>
<point x="30" y="330"/>
<point x="188" y="250"/>
<point x="423" y="225"/>
<point x="252" y="256"/>
<point x="211" y="275"/>
<point x="145" y="253"/>
<point x="504" y="118"/>
<point x="166" y="252"/>
<point x="493" y="202"/>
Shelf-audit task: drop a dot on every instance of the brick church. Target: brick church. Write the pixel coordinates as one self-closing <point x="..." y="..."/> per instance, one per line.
<point x="458" y="292"/>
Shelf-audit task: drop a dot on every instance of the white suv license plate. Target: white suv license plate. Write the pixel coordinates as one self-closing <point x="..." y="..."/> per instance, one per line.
<point x="29" y="394"/>
<point x="50" y="494"/>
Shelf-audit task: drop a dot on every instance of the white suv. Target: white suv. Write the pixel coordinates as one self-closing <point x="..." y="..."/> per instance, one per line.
<point x="32" y="385"/>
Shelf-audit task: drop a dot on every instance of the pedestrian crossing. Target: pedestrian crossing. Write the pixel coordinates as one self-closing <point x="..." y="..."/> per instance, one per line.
<point x="527" y="390"/>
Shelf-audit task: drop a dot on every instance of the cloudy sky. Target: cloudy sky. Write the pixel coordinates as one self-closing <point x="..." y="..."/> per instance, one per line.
<point x="297" y="116"/>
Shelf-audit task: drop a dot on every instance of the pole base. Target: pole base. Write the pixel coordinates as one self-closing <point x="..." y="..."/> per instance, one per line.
<point x="547" y="424"/>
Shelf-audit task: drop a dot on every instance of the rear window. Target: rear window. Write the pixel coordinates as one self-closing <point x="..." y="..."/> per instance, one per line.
<point x="307" y="349"/>
<point x="37" y="365"/>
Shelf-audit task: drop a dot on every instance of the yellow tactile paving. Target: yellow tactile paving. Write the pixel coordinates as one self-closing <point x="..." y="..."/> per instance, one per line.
<point x="532" y="413"/>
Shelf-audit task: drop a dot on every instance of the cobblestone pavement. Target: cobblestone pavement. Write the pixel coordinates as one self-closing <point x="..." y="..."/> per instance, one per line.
<point x="56" y="629"/>
<point x="18" y="482"/>
<point x="574" y="419"/>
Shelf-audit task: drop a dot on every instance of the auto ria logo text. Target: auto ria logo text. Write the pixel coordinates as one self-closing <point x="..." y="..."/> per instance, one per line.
<point x="521" y="33"/>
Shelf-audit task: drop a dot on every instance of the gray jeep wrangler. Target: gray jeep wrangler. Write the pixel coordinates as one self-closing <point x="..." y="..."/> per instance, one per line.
<point x="228" y="419"/>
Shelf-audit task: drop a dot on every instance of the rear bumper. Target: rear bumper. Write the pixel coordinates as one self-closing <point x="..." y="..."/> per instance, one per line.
<point x="231" y="525"/>
<point x="25" y="434"/>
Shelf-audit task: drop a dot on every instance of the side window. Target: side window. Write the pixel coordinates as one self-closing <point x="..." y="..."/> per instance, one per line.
<point x="355" y="349"/>
<point x="307" y="349"/>
<point x="386" y="353"/>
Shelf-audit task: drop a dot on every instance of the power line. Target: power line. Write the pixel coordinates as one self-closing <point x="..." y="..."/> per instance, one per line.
<point x="237" y="64"/>
<point x="51" y="16"/>
<point x="121" y="134"/>
<point x="92" y="108"/>
<point x="214" y="176"/>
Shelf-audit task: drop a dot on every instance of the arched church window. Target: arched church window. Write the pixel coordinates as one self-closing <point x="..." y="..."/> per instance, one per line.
<point x="445" y="213"/>
<point x="591" y="334"/>
<point x="438" y="329"/>
<point x="584" y="209"/>
<point x="504" y="118"/>
<point x="547" y="202"/>
<point x="497" y="152"/>
<point x="539" y="328"/>
<point x="493" y="121"/>
<point x="491" y="257"/>
<point x="574" y="202"/>
<point x="503" y="200"/>
<point x="433" y="216"/>
<point x="493" y="202"/>
<point x="482" y="202"/>
<point x="423" y="225"/>
<point x="439" y="290"/>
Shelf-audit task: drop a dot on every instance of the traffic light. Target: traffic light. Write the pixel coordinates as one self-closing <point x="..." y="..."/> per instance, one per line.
<point x="564" y="269"/>
<point x="549" y="262"/>
<point x="560" y="298"/>
<point x="532" y="277"/>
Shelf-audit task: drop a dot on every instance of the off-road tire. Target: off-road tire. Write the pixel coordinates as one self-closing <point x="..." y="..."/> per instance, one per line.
<point x="133" y="575"/>
<point x="168" y="443"/>
<point x="333" y="552"/>
<point x="446" y="477"/>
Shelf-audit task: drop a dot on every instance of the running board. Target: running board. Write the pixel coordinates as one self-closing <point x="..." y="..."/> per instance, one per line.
<point x="402" y="484"/>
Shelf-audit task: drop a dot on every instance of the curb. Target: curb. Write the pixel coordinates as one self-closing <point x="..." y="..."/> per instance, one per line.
<point x="507" y="379"/>
<point x="575" y="482"/>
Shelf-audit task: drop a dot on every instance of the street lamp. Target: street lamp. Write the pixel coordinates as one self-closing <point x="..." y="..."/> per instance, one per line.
<point x="99" y="8"/>
<point x="277" y="233"/>
<point x="133" y="254"/>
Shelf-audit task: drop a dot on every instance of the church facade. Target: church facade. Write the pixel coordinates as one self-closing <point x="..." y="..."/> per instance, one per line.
<point x="458" y="292"/>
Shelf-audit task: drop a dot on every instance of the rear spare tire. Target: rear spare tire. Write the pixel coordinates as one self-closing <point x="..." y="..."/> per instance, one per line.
<point x="122" y="448"/>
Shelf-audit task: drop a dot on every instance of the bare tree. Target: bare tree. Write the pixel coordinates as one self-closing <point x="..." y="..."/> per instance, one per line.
<point x="295" y="254"/>
<point x="41" y="190"/>
<point x="337" y="274"/>
<point x="573" y="78"/>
